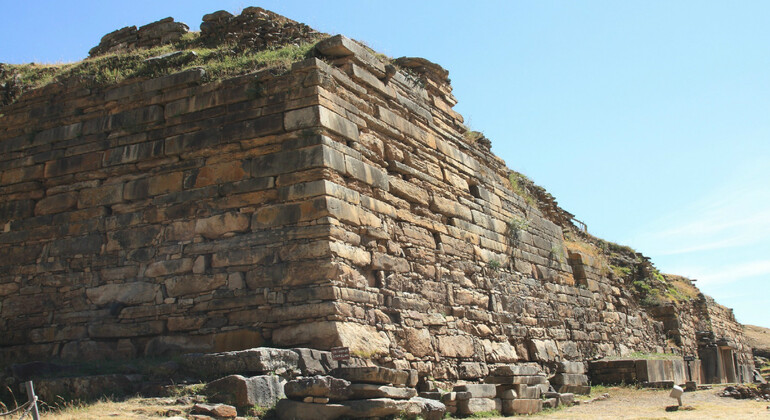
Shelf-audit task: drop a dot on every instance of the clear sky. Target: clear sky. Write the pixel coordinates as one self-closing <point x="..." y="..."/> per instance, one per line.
<point x="649" y="120"/>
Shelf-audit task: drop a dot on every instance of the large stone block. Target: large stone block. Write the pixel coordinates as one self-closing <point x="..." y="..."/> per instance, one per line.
<point x="479" y="405"/>
<point x="318" y="116"/>
<point x="372" y="375"/>
<point x="522" y="406"/>
<point x="368" y="391"/>
<point x="240" y="391"/>
<point x="335" y="389"/>
<point x="296" y="410"/>
<point x="477" y="390"/>
<point x="56" y="204"/>
<point x="216" y="226"/>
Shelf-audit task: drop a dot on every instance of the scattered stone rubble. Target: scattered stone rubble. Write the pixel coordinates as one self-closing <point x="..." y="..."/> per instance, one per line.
<point x="255" y="29"/>
<point x="741" y="392"/>
<point x="151" y="35"/>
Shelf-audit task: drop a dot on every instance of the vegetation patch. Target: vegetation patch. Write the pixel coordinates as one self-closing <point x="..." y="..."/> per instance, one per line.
<point x="519" y="183"/>
<point x="219" y="62"/>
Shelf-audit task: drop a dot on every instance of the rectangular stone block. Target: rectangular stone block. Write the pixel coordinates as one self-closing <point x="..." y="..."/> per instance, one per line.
<point x="100" y="196"/>
<point x="318" y="116"/>
<point x="479" y="405"/>
<point x="521" y="406"/>
<point x="477" y="390"/>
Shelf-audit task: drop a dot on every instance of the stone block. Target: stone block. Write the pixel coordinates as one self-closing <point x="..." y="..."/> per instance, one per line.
<point x="253" y="361"/>
<point x="569" y="379"/>
<point x="318" y="116"/>
<point x="215" y="410"/>
<point x="455" y="346"/>
<point x="429" y="409"/>
<point x="56" y="204"/>
<point x="368" y="391"/>
<point x="215" y="226"/>
<point x="478" y="390"/>
<point x="550" y="403"/>
<point x="522" y="406"/>
<point x="296" y="410"/>
<point x="315" y="362"/>
<point x="372" y="375"/>
<point x="165" y="268"/>
<point x="567" y="399"/>
<point x="334" y="389"/>
<point x="130" y="293"/>
<point x="479" y="405"/>
<point x="240" y="391"/>
<point x="571" y="367"/>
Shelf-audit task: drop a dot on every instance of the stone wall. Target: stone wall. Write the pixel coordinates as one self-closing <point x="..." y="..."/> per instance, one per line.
<point x="340" y="203"/>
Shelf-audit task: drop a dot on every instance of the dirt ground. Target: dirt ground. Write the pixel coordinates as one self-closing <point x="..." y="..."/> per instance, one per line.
<point x="630" y="403"/>
<point x="624" y="403"/>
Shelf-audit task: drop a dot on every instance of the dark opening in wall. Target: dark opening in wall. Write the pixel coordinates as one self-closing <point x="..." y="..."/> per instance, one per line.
<point x="474" y="189"/>
<point x="437" y="239"/>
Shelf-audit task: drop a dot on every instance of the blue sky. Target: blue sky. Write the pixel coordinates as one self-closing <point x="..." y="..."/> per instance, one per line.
<point x="649" y="120"/>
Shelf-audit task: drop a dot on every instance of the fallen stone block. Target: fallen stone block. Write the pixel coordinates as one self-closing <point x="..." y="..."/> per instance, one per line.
<point x="240" y="391"/>
<point x="372" y="375"/>
<point x="429" y="409"/>
<point x="478" y="405"/>
<point x="522" y="406"/>
<point x="256" y="361"/>
<point x="380" y="407"/>
<point x="296" y="410"/>
<point x="550" y="403"/>
<point x="573" y="389"/>
<point x="215" y="410"/>
<point x="478" y="390"/>
<point x="315" y="362"/>
<point x="567" y="399"/>
<point x="318" y="386"/>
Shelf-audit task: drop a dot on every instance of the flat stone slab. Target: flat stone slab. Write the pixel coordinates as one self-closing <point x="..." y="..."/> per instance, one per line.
<point x="297" y="410"/>
<point x="527" y="369"/>
<point x="367" y="391"/>
<point x="372" y="375"/>
<point x="478" y="390"/>
<point x="528" y="380"/>
<point x="256" y="361"/>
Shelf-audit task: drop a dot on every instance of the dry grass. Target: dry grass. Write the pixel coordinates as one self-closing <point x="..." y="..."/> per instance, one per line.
<point x="758" y="337"/>
<point x="134" y="408"/>
<point x="220" y="62"/>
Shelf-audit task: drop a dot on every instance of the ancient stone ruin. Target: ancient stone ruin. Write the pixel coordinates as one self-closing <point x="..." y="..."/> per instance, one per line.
<point x="341" y="202"/>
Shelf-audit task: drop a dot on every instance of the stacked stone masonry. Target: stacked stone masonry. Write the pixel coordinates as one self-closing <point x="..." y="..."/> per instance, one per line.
<point x="336" y="204"/>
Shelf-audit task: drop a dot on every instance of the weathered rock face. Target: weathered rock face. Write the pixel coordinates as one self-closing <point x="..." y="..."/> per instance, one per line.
<point x="339" y="204"/>
<point x="255" y="28"/>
